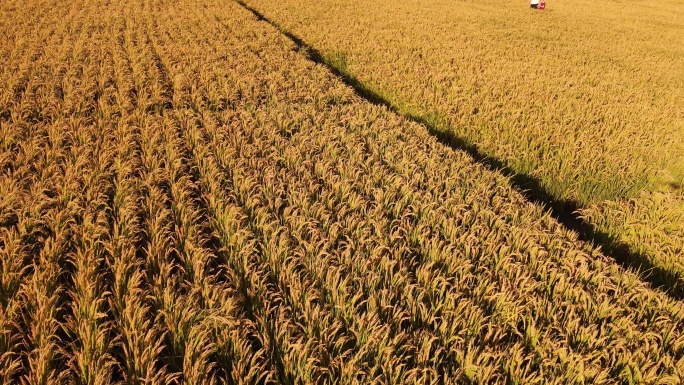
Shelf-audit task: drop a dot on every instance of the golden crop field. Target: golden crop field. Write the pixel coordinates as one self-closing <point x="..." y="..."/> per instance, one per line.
<point x="581" y="104"/>
<point x="186" y="197"/>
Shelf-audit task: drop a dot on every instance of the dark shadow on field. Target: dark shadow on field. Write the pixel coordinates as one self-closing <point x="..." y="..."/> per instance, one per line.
<point x="564" y="211"/>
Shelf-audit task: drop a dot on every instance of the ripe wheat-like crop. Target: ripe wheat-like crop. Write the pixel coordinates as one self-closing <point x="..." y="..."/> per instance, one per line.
<point x="580" y="103"/>
<point x="185" y="197"/>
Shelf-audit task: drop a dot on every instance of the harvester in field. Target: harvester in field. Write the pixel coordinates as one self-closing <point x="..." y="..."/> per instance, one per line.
<point x="538" y="4"/>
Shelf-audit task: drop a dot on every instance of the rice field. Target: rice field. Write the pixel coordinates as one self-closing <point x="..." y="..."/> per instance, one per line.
<point x="580" y="104"/>
<point x="187" y="197"/>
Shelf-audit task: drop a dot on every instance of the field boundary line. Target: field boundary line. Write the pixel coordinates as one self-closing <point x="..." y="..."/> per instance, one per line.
<point x="564" y="211"/>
